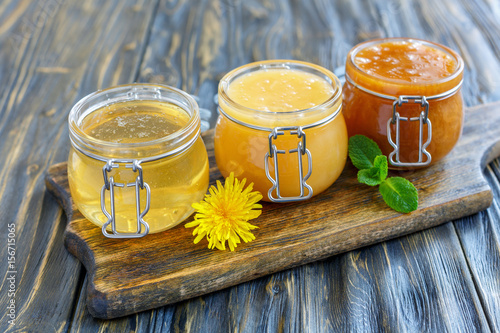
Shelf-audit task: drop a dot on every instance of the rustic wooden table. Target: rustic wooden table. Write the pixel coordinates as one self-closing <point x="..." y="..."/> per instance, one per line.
<point x="53" y="52"/>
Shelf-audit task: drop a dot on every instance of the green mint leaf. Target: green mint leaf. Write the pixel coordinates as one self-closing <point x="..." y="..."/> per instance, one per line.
<point x="369" y="176"/>
<point x="376" y="174"/>
<point x="399" y="194"/>
<point x="381" y="163"/>
<point x="363" y="151"/>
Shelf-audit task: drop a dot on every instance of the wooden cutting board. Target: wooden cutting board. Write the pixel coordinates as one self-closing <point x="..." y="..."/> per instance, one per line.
<point x="128" y="276"/>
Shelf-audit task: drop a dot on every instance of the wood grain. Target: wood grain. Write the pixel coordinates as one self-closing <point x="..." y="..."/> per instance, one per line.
<point x="480" y="236"/>
<point x="165" y="268"/>
<point x="95" y="40"/>
<point x="51" y="56"/>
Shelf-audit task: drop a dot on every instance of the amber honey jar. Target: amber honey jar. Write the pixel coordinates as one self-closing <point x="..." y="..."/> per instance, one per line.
<point x="137" y="161"/>
<point x="405" y="94"/>
<point x="281" y="127"/>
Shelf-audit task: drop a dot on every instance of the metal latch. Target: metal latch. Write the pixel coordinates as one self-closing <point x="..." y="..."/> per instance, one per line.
<point x="273" y="154"/>
<point x="423" y="119"/>
<point x="109" y="184"/>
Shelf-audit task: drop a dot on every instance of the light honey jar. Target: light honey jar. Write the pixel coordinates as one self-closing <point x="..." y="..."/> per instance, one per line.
<point x="137" y="161"/>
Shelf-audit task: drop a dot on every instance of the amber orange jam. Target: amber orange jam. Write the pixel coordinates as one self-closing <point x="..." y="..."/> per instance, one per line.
<point x="405" y="94"/>
<point x="281" y="127"/>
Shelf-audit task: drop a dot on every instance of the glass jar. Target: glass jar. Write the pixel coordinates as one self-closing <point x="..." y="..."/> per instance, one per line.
<point x="405" y="95"/>
<point x="281" y="127"/>
<point x="137" y="161"/>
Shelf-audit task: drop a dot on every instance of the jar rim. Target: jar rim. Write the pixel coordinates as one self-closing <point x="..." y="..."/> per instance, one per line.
<point x="125" y="93"/>
<point x="456" y="57"/>
<point x="279" y="64"/>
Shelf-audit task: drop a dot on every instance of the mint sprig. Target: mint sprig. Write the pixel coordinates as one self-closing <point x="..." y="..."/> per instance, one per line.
<point x="397" y="192"/>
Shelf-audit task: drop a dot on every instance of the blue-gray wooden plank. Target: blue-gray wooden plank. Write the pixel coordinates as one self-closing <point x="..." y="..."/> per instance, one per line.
<point x="52" y="53"/>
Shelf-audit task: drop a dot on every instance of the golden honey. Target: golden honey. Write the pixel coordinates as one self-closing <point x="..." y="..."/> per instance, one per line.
<point x="281" y="95"/>
<point x="156" y="125"/>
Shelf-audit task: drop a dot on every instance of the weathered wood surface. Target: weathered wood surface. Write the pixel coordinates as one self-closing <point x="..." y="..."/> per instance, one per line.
<point x="69" y="48"/>
<point x="166" y="267"/>
<point x="52" y="53"/>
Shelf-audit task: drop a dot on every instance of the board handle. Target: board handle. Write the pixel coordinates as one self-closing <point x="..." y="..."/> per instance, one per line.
<point x="482" y="133"/>
<point x="56" y="181"/>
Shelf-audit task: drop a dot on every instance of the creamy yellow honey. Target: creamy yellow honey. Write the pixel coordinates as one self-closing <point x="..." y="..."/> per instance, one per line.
<point x="292" y="95"/>
<point x="280" y="90"/>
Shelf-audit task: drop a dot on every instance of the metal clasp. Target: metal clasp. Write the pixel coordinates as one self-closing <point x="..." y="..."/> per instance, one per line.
<point x="422" y="119"/>
<point x="109" y="184"/>
<point x="300" y="150"/>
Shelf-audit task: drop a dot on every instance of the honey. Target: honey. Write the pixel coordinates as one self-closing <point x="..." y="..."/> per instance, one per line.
<point x="280" y="90"/>
<point x="406" y="61"/>
<point x="163" y="136"/>
<point x="134" y="122"/>
<point x="405" y="94"/>
<point x="287" y="98"/>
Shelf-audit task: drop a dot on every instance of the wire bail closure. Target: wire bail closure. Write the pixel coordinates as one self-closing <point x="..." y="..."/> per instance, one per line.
<point x="423" y="119"/>
<point x="109" y="184"/>
<point x="273" y="152"/>
<point x="301" y="150"/>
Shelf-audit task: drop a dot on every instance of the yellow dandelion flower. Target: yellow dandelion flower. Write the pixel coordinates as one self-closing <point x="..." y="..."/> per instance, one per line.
<point x="224" y="214"/>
